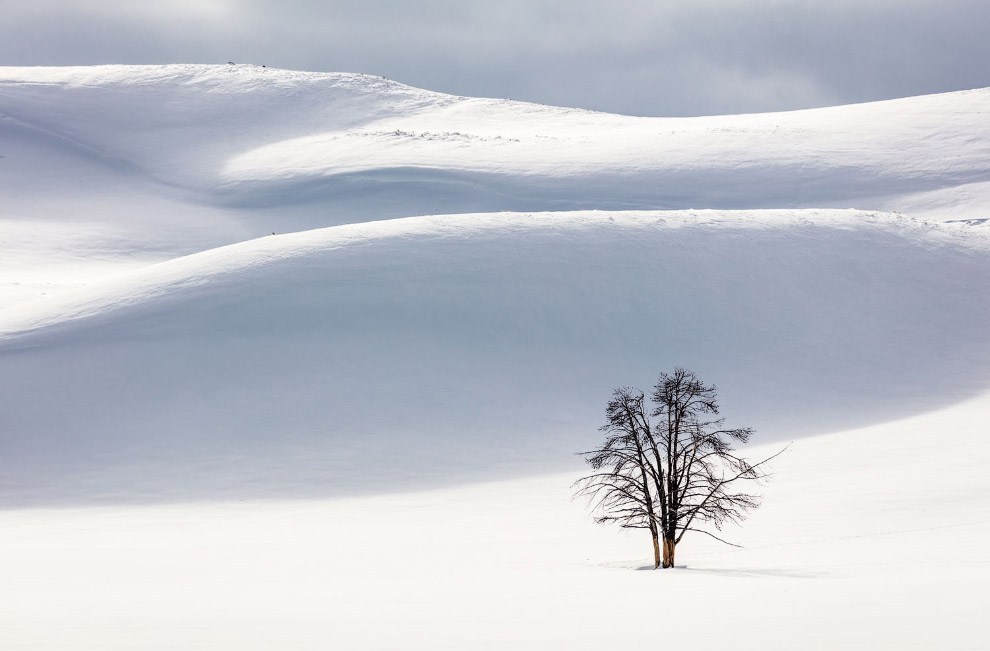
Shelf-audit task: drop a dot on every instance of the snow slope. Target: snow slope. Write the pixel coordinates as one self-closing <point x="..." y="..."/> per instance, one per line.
<point x="848" y="552"/>
<point x="363" y="435"/>
<point x="143" y="163"/>
<point x="243" y="134"/>
<point x="371" y="347"/>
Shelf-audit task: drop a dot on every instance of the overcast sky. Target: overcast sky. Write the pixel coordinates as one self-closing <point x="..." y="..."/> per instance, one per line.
<point x="642" y="57"/>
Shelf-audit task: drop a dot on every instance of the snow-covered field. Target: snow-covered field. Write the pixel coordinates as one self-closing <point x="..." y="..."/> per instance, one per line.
<point x="359" y="432"/>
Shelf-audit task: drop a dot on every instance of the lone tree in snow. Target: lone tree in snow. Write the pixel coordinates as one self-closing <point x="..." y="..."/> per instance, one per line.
<point x="675" y="474"/>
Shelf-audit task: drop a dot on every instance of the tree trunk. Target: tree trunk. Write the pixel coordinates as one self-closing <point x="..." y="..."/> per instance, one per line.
<point x="656" y="551"/>
<point x="668" y="552"/>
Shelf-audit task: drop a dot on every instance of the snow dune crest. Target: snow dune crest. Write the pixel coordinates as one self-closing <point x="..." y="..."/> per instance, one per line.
<point x="132" y="165"/>
<point x="244" y="135"/>
<point x="392" y="335"/>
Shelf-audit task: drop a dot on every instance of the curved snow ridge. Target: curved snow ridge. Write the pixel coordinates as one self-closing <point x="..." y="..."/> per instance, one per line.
<point x="247" y="136"/>
<point x="477" y="346"/>
<point x="226" y="262"/>
<point x="227" y="78"/>
<point x="905" y="142"/>
<point x="180" y="123"/>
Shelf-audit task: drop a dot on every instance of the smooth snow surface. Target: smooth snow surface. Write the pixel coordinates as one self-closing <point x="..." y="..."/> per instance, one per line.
<point x="142" y="163"/>
<point x="440" y="349"/>
<point x="362" y="435"/>
<point x="849" y="551"/>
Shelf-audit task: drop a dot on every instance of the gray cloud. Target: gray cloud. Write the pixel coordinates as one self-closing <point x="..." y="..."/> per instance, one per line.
<point x="645" y="57"/>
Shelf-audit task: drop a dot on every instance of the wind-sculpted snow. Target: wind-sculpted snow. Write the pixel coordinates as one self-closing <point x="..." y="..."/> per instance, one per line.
<point x="130" y="165"/>
<point x="425" y="351"/>
<point x="249" y="136"/>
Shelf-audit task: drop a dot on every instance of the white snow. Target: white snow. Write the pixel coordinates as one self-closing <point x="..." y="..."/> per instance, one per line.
<point x="158" y="161"/>
<point x="850" y="550"/>
<point x="363" y="435"/>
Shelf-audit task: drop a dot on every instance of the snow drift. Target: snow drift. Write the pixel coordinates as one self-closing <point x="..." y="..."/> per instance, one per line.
<point x="438" y="349"/>
<point x="108" y="168"/>
<point x="274" y="150"/>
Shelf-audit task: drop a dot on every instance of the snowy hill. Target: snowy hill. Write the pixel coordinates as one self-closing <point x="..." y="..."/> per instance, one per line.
<point x="245" y="135"/>
<point x="370" y="346"/>
<point x="364" y="432"/>
<point x="133" y="164"/>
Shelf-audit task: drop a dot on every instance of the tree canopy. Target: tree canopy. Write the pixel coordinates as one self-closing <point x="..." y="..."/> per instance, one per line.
<point x="670" y="468"/>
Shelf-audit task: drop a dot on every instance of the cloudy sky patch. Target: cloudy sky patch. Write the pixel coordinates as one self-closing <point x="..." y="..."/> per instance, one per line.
<point x="639" y="57"/>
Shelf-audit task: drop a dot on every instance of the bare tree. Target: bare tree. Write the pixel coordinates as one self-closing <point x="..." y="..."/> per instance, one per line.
<point x="675" y="474"/>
